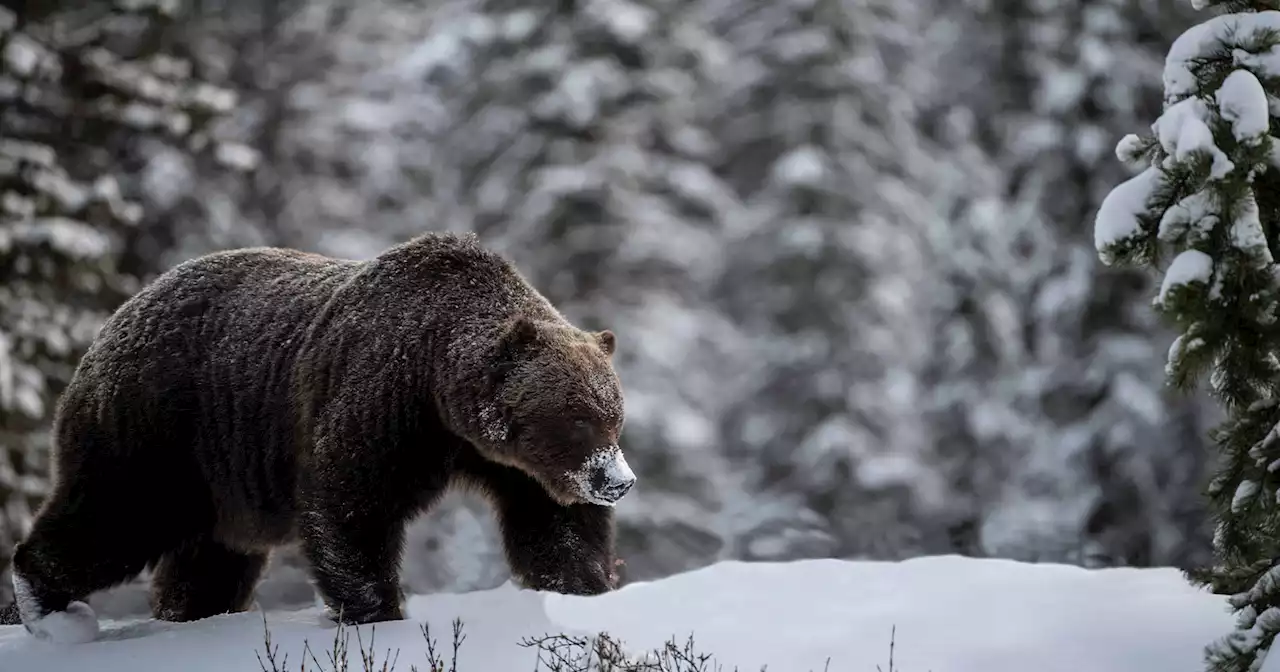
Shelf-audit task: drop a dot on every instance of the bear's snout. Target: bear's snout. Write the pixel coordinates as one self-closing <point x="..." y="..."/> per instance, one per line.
<point x="613" y="480"/>
<point x="606" y="477"/>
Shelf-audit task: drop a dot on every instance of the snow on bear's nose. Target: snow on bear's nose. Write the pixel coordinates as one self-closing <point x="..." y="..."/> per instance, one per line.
<point x="608" y="477"/>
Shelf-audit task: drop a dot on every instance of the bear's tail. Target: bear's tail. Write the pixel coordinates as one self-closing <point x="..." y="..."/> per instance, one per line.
<point x="9" y="615"/>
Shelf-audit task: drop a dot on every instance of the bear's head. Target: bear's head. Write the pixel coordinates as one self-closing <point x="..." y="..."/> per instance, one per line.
<point x="558" y="404"/>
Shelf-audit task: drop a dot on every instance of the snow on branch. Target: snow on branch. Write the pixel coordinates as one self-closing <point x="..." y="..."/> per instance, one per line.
<point x="1183" y="131"/>
<point x="156" y="94"/>
<point x="1119" y="219"/>
<point x="1213" y="129"/>
<point x="1243" y="102"/>
<point x="1238" y="36"/>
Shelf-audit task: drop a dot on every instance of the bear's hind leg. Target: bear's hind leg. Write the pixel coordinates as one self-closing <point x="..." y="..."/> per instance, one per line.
<point x="78" y="545"/>
<point x="204" y="578"/>
<point x="561" y="549"/>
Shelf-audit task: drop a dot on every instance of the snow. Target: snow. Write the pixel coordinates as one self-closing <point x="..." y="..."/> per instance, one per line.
<point x="1266" y="584"/>
<point x="1273" y="156"/>
<point x="1266" y="63"/>
<point x="1196" y="212"/>
<point x="1244" y="492"/>
<point x="1243" y="102"/>
<point x="237" y="156"/>
<point x="804" y="166"/>
<point x="21" y="55"/>
<point x="1188" y="267"/>
<point x="1204" y="40"/>
<point x="1246" y="231"/>
<point x="165" y="7"/>
<point x="68" y="236"/>
<point x="626" y="20"/>
<point x="1183" y="130"/>
<point x="951" y="614"/>
<point x="1130" y="149"/>
<point x="519" y="25"/>
<point x="1117" y="219"/>
<point x="213" y="98"/>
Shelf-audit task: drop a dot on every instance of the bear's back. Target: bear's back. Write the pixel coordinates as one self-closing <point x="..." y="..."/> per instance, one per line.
<point x="198" y="364"/>
<point x="203" y="305"/>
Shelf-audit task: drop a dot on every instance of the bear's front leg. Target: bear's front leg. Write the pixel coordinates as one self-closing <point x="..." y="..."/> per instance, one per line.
<point x="355" y="557"/>
<point x="561" y="549"/>
<point x="567" y="550"/>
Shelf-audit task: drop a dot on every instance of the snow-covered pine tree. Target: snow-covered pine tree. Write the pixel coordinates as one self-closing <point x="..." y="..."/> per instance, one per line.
<point x="70" y="111"/>
<point x="259" y="49"/>
<point x="1206" y="201"/>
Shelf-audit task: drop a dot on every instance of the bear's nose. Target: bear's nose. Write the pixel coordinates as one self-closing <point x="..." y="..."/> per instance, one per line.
<point x="613" y="479"/>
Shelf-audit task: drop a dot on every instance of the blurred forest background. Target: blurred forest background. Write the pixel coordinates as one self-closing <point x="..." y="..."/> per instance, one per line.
<point x="846" y="245"/>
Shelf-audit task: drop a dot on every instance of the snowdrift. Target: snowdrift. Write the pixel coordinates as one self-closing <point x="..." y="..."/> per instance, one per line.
<point x="952" y="615"/>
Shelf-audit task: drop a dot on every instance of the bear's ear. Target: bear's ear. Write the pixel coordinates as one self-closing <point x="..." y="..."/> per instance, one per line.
<point x="519" y="334"/>
<point x="608" y="342"/>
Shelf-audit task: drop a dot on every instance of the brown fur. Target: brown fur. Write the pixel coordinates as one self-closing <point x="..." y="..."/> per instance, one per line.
<point x="251" y="398"/>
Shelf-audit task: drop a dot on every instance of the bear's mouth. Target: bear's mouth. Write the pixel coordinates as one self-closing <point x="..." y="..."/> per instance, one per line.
<point x="604" y="478"/>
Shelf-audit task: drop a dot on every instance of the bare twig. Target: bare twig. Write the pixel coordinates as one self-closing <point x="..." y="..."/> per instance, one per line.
<point x="271" y="652"/>
<point x="556" y="653"/>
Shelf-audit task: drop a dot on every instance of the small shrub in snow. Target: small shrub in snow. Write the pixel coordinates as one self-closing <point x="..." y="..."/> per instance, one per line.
<point x="338" y="656"/>
<point x="555" y="653"/>
<point x="603" y="653"/>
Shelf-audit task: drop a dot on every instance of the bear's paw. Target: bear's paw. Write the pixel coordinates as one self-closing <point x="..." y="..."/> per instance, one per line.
<point x="77" y="625"/>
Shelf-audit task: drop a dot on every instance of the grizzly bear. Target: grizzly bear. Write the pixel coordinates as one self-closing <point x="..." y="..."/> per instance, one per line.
<point x="256" y="397"/>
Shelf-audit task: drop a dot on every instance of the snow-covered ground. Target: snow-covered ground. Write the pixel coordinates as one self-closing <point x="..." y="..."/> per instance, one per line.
<point x="952" y="615"/>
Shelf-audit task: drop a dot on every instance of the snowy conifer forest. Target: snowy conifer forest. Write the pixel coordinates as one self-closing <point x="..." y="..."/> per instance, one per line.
<point x="866" y="305"/>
